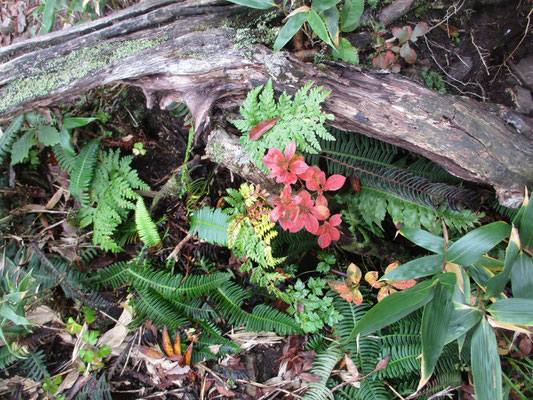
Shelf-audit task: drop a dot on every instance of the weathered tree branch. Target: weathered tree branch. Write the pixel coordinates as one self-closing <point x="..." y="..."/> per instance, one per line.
<point x="182" y="51"/>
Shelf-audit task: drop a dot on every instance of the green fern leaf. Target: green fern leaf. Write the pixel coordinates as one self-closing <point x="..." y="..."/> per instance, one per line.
<point x="83" y="171"/>
<point x="322" y="367"/>
<point x="230" y="297"/>
<point x="35" y="363"/>
<point x="21" y="148"/>
<point x="210" y="225"/>
<point x="146" y="227"/>
<point x="8" y="137"/>
<point x="151" y="305"/>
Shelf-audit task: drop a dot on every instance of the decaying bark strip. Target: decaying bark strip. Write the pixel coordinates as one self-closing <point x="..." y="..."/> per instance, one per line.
<point x="184" y="51"/>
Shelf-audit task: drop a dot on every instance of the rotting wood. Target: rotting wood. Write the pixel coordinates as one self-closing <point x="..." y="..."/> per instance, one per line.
<point x="183" y="51"/>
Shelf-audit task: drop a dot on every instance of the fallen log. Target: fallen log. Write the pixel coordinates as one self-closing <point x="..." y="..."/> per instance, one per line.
<point x="184" y="51"/>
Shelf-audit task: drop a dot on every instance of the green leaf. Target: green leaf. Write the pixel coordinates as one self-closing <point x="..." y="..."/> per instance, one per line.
<point x="319" y="27"/>
<point x="522" y="277"/>
<point x="292" y="26"/>
<point x="7" y="312"/>
<point x="21" y="148"/>
<point x="497" y="283"/>
<point x="210" y="225"/>
<point x="526" y="224"/>
<point x="474" y="244"/>
<point x="259" y="4"/>
<point x="66" y="143"/>
<point x="8" y="137"/>
<point x="47" y="135"/>
<point x="418" y="268"/>
<point x="76" y="122"/>
<point x="424" y="239"/>
<point x="486" y="367"/>
<point x="49" y="15"/>
<point x="83" y="171"/>
<point x="331" y="18"/>
<point x="513" y="311"/>
<point x="146" y="227"/>
<point x="346" y="52"/>
<point x="395" y="306"/>
<point x="435" y="326"/>
<point x="351" y="14"/>
<point x="322" y="5"/>
<point x="463" y="318"/>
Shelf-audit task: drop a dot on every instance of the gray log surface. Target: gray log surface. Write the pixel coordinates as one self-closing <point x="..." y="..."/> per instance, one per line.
<point x="184" y="51"/>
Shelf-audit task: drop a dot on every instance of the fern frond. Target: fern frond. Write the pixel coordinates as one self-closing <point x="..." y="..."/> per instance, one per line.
<point x="175" y="286"/>
<point x="95" y="389"/>
<point x="10" y="356"/>
<point x="300" y="120"/>
<point x="322" y="367"/>
<point x="229" y="297"/>
<point x="210" y="225"/>
<point x="115" y="275"/>
<point x="151" y="305"/>
<point x="8" y="137"/>
<point x="146" y="227"/>
<point x="35" y="363"/>
<point x="83" y="171"/>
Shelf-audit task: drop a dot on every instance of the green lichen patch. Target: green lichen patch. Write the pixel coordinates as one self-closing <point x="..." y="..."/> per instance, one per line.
<point x="50" y="75"/>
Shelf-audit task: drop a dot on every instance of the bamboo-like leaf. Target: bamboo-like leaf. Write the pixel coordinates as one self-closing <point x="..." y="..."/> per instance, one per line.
<point x="351" y="14"/>
<point x="321" y="5"/>
<point x="258" y="4"/>
<point x="497" y="283"/>
<point x="435" y="325"/>
<point x="522" y="277"/>
<point x="526" y="223"/>
<point x="394" y="307"/>
<point x="486" y="367"/>
<point x="513" y="311"/>
<point x="417" y="268"/>
<point x="424" y="239"/>
<point x="76" y="122"/>
<point x="463" y="318"/>
<point x="145" y="226"/>
<point x="290" y="29"/>
<point x="319" y="27"/>
<point x="474" y="244"/>
<point x="83" y="172"/>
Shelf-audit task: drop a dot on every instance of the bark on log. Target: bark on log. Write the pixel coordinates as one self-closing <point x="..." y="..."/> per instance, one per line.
<point x="182" y="51"/>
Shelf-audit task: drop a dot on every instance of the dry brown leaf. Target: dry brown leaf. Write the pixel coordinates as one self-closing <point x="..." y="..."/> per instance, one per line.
<point x="177" y="344"/>
<point x="54" y="200"/>
<point x="43" y="315"/>
<point x="167" y="344"/>
<point x="350" y="366"/>
<point x="224" y="391"/>
<point x="116" y="335"/>
<point x="151" y="353"/>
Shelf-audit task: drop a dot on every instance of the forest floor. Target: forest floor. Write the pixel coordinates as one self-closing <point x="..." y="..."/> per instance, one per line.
<point x="473" y="49"/>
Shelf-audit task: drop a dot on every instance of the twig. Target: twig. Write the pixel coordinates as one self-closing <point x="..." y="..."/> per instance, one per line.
<point x="394" y="391"/>
<point x="456" y="9"/>
<point x="479" y="52"/>
<point x="175" y="253"/>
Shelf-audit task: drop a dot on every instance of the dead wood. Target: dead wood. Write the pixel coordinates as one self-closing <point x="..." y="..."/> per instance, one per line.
<point x="183" y="51"/>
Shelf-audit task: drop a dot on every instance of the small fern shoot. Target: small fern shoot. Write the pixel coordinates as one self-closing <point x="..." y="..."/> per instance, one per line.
<point x="83" y="171"/>
<point x="8" y="137"/>
<point x="146" y="227"/>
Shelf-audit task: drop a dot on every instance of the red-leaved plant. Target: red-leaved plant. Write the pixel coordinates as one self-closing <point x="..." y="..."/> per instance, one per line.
<point x="303" y="209"/>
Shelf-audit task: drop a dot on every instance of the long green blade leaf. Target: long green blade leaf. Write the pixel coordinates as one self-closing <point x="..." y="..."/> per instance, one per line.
<point x="513" y="311"/>
<point x="292" y="26"/>
<point x="497" y="283"/>
<point x="259" y="4"/>
<point x="486" y="367"/>
<point x="319" y="27"/>
<point x="522" y="277"/>
<point x="435" y="325"/>
<point x="418" y="268"/>
<point x="474" y="244"/>
<point x="394" y="307"/>
<point x="424" y="239"/>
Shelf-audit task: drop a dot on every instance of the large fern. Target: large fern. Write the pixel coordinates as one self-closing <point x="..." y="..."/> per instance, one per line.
<point x="300" y="119"/>
<point x="412" y="192"/>
<point x="112" y="197"/>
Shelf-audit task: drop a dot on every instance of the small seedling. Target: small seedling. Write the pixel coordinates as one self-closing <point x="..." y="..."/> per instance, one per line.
<point x="138" y="149"/>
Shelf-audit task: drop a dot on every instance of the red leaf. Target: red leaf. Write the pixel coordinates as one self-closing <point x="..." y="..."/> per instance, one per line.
<point x="356" y="184"/>
<point x="408" y="53"/>
<point x="262" y="127"/>
<point x="334" y="182"/>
